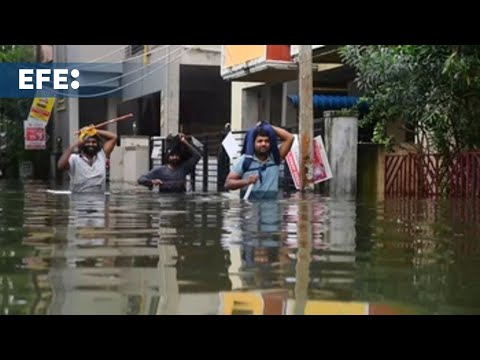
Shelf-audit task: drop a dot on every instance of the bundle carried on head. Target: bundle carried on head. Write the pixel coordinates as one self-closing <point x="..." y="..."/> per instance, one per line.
<point x="173" y="145"/>
<point x="92" y="129"/>
<point x="88" y="132"/>
<point x="249" y="144"/>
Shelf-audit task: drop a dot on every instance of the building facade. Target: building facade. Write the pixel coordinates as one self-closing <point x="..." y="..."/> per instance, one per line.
<point x="168" y="88"/>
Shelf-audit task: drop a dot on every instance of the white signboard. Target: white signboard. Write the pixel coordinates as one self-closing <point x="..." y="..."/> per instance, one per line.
<point x="231" y="146"/>
<point x="156" y="152"/>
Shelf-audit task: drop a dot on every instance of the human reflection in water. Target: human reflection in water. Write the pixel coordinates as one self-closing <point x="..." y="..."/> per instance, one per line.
<point x="83" y="270"/>
<point x="197" y="229"/>
<point x="111" y="257"/>
<point x="261" y="233"/>
<point x="88" y="214"/>
<point x="193" y="265"/>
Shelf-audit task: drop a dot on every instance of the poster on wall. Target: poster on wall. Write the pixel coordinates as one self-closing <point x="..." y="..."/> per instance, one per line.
<point x="35" y="135"/>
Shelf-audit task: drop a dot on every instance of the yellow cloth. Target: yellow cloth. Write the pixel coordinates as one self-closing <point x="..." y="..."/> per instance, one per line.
<point x="90" y="131"/>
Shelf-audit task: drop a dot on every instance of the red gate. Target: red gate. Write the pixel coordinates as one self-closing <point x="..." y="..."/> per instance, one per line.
<point x="424" y="175"/>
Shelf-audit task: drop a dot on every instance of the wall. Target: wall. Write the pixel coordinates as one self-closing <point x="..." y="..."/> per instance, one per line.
<point x="140" y="79"/>
<point x="289" y="112"/>
<point x="87" y="53"/>
<point x="276" y="102"/>
<point x="371" y="172"/>
<point x="238" y="108"/>
<point x="162" y="74"/>
<point x="341" y="145"/>
<point x="252" y="102"/>
<point x="207" y="55"/>
<point x="157" y="73"/>
<point x="46" y="53"/>
<point x="250" y="107"/>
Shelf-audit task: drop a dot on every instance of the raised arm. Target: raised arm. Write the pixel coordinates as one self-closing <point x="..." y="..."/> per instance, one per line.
<point x="63" y="163"/>
<point x="111" y="141"/>
<point x="287" y="141"/>
<point x="196" y="156"/>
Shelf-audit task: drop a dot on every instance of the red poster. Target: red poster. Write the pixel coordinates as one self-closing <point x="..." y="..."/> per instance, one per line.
<point x="321" y="166"/>
<point x="35" y="137"/>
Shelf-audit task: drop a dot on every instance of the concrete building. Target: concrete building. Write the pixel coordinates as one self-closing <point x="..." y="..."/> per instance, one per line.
<point x="264" y="86"/>
<point x="167" y="87"/>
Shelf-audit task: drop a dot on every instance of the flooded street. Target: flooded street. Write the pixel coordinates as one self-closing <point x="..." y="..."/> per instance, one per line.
<point x="136" y="252"/>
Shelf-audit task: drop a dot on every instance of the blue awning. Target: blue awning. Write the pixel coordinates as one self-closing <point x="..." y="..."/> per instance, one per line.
<point x="331" y="102"/>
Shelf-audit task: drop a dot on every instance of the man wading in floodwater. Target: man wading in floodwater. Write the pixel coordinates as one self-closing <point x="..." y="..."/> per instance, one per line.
<point x="259" y="164"/>
<point x="87" y="169"/>
<point x="181" y="160"/>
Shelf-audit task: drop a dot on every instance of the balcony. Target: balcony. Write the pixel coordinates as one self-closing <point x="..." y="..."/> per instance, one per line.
<point x="273" y="63"/>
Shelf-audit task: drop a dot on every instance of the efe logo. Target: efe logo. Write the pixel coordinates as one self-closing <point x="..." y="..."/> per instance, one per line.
<point x="60" y="78"/>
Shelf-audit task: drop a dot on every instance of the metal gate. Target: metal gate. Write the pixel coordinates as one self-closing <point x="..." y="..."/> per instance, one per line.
<point x="432" y="175"/>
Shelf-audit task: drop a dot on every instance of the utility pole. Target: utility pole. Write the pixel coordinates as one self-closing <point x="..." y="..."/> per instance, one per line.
<point x="304" y="256"/>
<point x="306" y="116"/>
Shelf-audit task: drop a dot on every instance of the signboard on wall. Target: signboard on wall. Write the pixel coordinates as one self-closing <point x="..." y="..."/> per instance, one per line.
<point x="41" y="109"/>
<point x="35" y="135"/>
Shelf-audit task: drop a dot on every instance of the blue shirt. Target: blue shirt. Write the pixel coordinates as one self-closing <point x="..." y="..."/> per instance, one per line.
<point x="266" y="186"/>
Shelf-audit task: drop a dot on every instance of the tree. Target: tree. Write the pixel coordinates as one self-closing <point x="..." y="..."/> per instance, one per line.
<point x="434" y="88"/>
<point x="13" y="111"/>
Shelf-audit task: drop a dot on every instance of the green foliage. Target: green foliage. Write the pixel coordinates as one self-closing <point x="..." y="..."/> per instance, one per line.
<point x="434" y="88"/>
<point x="16" y="53"/>
<point x="14" y="111"/>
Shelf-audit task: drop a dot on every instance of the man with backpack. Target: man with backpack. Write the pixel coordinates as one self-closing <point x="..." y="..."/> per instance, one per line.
<point x="260" y="160"/>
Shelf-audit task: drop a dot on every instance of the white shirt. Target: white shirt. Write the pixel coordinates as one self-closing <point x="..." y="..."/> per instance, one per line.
<point x="85" y="177"/>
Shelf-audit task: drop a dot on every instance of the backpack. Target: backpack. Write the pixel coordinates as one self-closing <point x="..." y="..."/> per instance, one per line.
<point x="248" y="148"/>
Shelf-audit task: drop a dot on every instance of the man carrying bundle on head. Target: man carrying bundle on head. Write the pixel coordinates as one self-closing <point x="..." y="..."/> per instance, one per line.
<point x="260" y="160"/>
<point x="87" y="169"/>
<point x="180" y="158"/>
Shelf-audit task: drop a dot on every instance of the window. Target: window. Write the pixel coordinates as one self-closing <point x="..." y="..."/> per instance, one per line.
<point x="135" y="50"/>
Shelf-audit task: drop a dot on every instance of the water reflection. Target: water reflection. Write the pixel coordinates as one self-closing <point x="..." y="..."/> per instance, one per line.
<point x="134" y="252"/>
